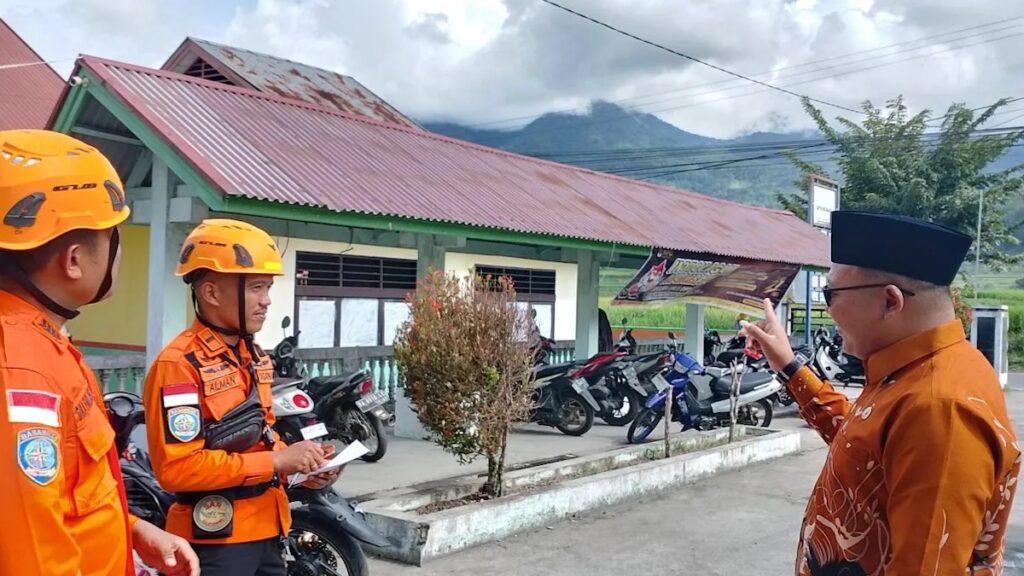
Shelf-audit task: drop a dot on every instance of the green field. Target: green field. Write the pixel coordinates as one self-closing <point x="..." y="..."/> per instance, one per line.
<point x="995" y="288"/>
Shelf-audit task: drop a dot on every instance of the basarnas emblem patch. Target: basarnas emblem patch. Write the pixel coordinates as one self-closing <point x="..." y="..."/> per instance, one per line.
<point x="38" y="457"/>
<point x="183" y="423"/>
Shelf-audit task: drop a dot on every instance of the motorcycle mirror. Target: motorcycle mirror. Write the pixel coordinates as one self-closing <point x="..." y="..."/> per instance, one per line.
<point x="624" y="321"/>
<point x="286" y="322"/>
<point x="671" y="335"/>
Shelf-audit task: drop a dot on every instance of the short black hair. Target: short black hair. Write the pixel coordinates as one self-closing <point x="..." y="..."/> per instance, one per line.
<point x="32" y="261"/>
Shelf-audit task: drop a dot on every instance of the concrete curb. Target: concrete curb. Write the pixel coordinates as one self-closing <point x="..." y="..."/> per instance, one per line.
<point x="419" y="538"/>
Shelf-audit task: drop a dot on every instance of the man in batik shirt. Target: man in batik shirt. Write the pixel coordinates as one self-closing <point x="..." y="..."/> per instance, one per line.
<point x="922" y="467"/>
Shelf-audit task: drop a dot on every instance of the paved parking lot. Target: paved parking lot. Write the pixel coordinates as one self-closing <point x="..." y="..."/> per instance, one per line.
<point x="743" y="522"/>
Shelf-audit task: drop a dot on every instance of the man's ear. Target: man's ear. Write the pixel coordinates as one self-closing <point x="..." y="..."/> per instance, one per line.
<point x="207" y="292"/>
<point x="73" y="260"/>
<point x="894" y="301"/>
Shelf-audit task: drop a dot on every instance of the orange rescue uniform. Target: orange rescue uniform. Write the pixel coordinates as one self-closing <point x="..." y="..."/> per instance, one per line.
<point x="921" y="469"/>
<point x="201" y="363"/>
<point x="61" y="493"/>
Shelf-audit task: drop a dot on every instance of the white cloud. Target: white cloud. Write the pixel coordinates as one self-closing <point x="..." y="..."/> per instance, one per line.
<point x="477" y="61"/>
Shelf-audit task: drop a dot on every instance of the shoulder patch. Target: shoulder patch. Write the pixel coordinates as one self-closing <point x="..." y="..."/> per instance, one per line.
<point x="38" y="456"/>
<point x="184" y="423"/>
<point x="180" y="395"/>
<point x="33" y="407"/>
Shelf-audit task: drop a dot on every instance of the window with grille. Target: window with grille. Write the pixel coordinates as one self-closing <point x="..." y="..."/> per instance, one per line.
<point x="346" y="301"/>
<point x="526" y="280"/>
<point x="202" y="69"/>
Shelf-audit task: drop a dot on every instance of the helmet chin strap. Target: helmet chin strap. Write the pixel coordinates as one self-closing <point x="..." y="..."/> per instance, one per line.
<point x="241" y="331"/>
<point x="21" y="277"/>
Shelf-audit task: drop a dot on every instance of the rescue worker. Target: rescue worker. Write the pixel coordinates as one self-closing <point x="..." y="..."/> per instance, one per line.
<point x="61" y="492"/>
<point x="922" y="467"/>
<point x="208" y="405"/>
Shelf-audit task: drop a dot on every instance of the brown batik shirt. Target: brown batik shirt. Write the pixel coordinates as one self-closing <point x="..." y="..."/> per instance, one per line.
<point x="921" y="469"/>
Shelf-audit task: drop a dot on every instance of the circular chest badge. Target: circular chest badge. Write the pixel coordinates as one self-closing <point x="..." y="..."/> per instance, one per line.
<point x="212" y="513"/>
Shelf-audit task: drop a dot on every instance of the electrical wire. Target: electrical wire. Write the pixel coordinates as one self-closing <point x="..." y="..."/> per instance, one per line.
<point x="698" y="60"/>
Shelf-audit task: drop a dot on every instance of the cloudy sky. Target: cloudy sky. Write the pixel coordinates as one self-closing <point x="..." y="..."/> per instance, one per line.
<point x="495" y="63"/>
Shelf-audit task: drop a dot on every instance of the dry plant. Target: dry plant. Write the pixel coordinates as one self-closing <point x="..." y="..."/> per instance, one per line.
<point x="465" y="366"/>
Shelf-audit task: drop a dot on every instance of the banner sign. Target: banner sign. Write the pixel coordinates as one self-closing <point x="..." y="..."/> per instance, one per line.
<point x="740" y="285"/>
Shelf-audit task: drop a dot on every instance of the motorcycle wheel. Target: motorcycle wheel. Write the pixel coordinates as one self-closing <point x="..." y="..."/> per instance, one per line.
<point x="577" y="410"/>
<point x="644" y="424"/>
<point x="318" y="544"/>
<point x="348" y="420"/>
<point x="630" y="408"/>
<point x="756" y="413"/>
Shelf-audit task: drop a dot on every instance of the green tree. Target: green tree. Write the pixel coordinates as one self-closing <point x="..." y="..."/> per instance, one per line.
<point x="896" y="162"/>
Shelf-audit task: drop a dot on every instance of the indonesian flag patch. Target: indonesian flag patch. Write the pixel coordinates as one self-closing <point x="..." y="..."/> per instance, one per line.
<point x="181" y="395"/>
<point x="33" y="407"/>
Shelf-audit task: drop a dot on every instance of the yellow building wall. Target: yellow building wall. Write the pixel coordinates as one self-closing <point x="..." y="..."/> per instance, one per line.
<point x="119" y="323"/>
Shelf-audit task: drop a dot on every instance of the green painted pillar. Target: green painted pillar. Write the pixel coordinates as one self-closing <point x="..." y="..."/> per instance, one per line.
<point x="429" y="255"/>
<point x="588" y="280"/>
<point x="166" y="312"/>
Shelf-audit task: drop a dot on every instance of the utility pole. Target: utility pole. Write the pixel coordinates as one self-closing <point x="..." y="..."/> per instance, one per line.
<point x="977" y="247"/>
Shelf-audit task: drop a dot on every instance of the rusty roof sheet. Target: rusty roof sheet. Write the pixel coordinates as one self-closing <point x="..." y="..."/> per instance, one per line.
<point x="28" y="94"/>
<point x="255" y="145"/>
<point x="289" y="79"/>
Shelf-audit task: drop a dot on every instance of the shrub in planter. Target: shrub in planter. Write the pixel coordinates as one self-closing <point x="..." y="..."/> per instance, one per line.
<point x="466" y="367"/>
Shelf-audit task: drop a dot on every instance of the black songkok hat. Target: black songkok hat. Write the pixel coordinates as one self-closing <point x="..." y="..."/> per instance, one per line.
<point x="899" y="245"/>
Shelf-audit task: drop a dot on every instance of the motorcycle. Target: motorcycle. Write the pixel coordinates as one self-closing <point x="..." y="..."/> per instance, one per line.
<point x="830" y="363"/>
<point x="346" y="404"/>
<point x="326" y="527"/>
<point x="633" y="374"/>
<point x="559" y="400"/>
<point x="702" y="397"/>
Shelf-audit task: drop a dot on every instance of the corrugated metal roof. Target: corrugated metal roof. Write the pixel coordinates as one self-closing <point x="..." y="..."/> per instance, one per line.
<point x="28" y="94"/>
<point x="254" y="145"/>
<point x="285" y="78"/>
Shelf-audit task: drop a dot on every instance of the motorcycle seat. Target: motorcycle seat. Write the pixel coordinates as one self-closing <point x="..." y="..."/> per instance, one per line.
<point x="722" y="385"/>
<point x="553" y="369"/>
<point x="284" y="383"/>
<point x="323" y="384"/>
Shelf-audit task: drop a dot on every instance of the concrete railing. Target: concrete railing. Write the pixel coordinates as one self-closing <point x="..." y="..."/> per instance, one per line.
<point x="127" y="372"/>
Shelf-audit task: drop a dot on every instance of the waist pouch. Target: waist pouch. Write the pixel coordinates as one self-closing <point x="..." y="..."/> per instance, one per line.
<point x="241" y="428"/>
<point x="213" y="512"/>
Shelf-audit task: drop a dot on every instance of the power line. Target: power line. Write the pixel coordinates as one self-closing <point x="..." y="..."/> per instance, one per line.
<point x="486" y="141"/>
<point x="27" y="64"/>
<point x="1000" y="22"/>
<point x="698" y="60"/>
<point x="661" y="170"/>
<point x="689" y="151"/>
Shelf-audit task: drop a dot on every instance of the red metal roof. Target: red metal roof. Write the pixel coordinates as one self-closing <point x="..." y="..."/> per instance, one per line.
<point x="255" y="145"/>
<point x="28" y="94"/>
<point x="283" y="77"/>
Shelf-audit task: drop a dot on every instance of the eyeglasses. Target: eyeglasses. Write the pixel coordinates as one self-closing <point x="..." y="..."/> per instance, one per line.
<point x="828" y="292"/>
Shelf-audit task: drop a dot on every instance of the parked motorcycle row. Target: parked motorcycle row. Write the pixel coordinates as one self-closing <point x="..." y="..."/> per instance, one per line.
<point x="624" y="388"/>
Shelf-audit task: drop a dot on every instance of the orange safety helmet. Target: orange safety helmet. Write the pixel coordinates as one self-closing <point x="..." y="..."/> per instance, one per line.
<point x="231" y="247"/>
<point x="51" y="184"/>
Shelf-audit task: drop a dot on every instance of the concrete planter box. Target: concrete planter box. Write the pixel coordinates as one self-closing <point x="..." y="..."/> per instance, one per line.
<point x="549" y="492"/>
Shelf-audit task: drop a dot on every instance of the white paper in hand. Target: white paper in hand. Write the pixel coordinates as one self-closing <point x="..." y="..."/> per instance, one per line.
<point x="350" y="453"/>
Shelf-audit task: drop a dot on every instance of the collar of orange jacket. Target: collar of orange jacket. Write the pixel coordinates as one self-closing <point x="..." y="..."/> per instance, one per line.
<point x="14" y="304"/>
<point x="888" y="361"/>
